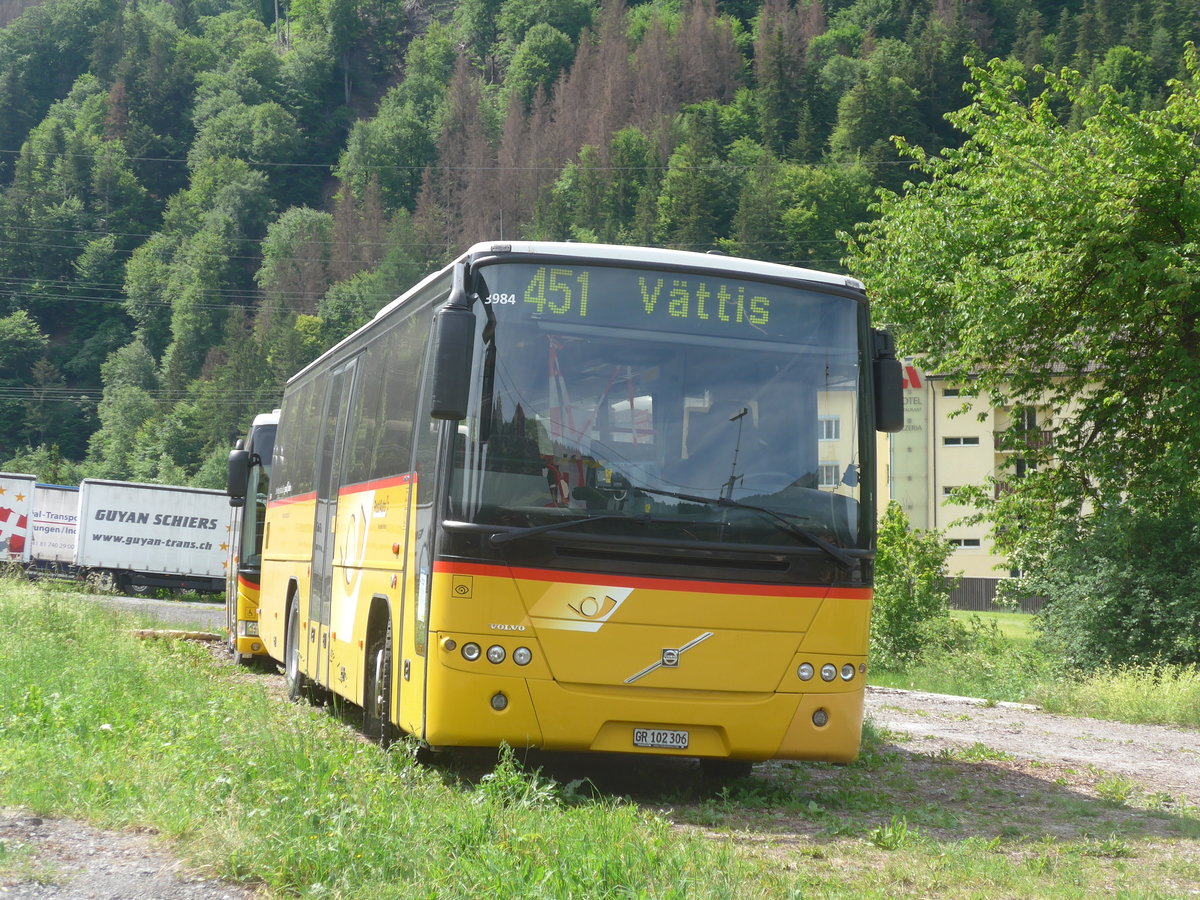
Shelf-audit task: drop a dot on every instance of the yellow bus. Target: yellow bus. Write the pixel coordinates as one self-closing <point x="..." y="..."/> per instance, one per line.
<point x="249" y="480"/>
<point x="588" y="498"/>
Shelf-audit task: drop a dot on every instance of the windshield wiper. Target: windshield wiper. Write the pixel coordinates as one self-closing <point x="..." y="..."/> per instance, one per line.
<point x="779" y="520"/>
<point x="504" y="537"/>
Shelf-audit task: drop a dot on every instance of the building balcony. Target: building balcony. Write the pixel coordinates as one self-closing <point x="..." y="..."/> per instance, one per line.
<point x="1031" y="438"/>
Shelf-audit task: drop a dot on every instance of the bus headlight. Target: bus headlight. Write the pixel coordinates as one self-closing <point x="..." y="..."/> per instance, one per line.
<point x="805" y="672"/>
<point x="247" y="629"/>
<point x="496" y="654"/>
<point x="471" y="652"/>
<point x="522" y="656"/>
<point x="847" y="672"/>
<point x="828" y="672"/>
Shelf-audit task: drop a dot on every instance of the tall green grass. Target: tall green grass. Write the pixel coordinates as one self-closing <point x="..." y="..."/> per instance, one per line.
<point x="1167" y="695"/>
<point x="96" y="723"/>
<point x="999" y="660"/>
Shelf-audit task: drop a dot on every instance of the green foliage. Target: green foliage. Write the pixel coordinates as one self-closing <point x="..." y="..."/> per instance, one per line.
<point x="1122" y="588"/>
<point x="20" y="342"/>
<point x="912" y="593"/>
<point x="517" y="17"/>
<point x="538" y="61"/>
<point x="47" y="464"/>
<point x="1053" y="266"/>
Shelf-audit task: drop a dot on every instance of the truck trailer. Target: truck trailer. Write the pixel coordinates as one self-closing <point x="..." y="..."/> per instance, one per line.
<point x="53" y="530"/>
<point x="145" y="536"/>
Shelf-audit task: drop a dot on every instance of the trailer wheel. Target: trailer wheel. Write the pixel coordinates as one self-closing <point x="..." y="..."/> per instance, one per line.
<point x="377" y="692"/>
<point x="297" y="684"/>
<point x="128" y="586"/>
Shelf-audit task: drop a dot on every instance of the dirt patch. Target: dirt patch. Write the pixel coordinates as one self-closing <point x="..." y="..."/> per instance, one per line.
<point x="1158" y="759"/>
<point x="65" y="860"/>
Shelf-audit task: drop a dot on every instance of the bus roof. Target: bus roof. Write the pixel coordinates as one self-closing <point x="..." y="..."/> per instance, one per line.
<point x="660" y="257"/>
<point x="617" y="253"/>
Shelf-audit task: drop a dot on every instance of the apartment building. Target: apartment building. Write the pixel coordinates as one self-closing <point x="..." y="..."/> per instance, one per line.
<point x="949" y="440"/>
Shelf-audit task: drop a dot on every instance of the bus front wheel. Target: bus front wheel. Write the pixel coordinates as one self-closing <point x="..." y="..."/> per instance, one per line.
<point x="297" y="684"/>
<point x="377" y="692"/>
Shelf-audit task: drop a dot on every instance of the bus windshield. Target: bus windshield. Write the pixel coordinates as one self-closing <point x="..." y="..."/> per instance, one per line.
<point x="690" y="406"/>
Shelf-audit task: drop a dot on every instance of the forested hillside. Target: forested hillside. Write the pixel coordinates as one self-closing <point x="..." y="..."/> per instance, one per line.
<point x="197" y="198"/>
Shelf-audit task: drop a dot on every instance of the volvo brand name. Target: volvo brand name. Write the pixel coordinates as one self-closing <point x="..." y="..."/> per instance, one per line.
<point x="507" y="627"/>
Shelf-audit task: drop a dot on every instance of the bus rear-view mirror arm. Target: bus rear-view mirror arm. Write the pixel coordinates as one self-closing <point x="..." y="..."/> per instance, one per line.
<point x="453" y="350"/>
<point x="237" y="474"/>
<point x="889" y="383"/>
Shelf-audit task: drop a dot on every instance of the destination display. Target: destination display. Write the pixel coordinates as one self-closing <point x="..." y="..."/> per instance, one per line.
<point x="707" y="303"/>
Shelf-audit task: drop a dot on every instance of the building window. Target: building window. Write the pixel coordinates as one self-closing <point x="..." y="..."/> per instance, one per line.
<point x="949" y="392"/>
<point x="961" y="441"/>
<point x="965" y="542"/>
<point x="829" y="475"/>
<point x="948" y="489"/>
<point x="829" y="428"/>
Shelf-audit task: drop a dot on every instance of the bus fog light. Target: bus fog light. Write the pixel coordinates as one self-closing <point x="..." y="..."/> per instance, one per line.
<point x="847" y="672"/>
<point x="820" y="718"/>
<point x="828" y="672"/>
<point x="449" y="644"/>
<point x="805" y="672"/>
<point x="499" y="702"/>
<point x="522" y="656"/>
<point x="470" y="652"/>
<point x="496" y="654"/>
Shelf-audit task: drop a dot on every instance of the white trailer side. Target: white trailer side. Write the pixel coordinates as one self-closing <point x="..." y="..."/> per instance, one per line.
<point x="153" y="535"/>
<point x="54" y="526"/>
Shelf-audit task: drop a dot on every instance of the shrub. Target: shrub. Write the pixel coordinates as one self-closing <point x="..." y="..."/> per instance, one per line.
<point x="1123" y="588"/>
<point x="912" y="593"/>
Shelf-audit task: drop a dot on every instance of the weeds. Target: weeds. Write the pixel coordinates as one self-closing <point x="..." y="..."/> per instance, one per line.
<point x="1116" y="789"/>
<point x="892" y="836"/>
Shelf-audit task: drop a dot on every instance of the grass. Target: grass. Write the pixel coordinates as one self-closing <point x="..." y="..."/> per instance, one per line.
<point x="1016" y="627"/>
<point x="96" y="724"/>
<point x="1005" y="664"/>
<point x="1168" y="695"/>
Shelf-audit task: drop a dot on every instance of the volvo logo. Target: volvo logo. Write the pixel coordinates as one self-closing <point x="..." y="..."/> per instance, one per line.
<point x="669" y="658"/>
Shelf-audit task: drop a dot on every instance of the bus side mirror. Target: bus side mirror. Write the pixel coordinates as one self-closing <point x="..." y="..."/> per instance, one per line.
<point x="453" y="350"/>
<point x="889" y="383"/>
<point x="237" y="475"/>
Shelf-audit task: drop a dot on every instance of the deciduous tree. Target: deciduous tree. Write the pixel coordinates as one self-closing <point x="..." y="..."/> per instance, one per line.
<point x="1057" y="268"/>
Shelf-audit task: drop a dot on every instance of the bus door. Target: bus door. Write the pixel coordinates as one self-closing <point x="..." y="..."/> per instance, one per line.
<point x="330" y="456"/>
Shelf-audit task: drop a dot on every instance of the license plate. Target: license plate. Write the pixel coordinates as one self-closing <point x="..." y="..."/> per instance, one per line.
<point x="660" y="738"/>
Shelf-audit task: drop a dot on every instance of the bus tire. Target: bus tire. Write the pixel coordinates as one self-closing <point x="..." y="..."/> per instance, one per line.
<point x="297" y="684"/>
<point x="377" y="692"/>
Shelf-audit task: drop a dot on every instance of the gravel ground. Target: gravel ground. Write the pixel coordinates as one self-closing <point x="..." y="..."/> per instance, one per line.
<point x="1158" y="758"/>
<point x="65" y="860"/>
